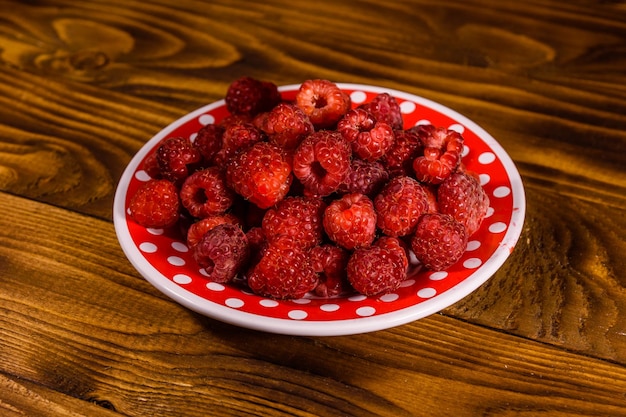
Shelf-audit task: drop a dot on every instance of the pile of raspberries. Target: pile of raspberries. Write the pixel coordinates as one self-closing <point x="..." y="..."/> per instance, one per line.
<point x="313" y="196"/>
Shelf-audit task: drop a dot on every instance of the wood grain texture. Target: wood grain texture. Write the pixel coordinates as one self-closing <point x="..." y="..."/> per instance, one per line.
<point x="94" y="331"/>
<point x="83" y="85"/>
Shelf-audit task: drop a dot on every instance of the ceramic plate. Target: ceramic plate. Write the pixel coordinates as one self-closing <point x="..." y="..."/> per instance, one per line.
<point x="162" y="257"/>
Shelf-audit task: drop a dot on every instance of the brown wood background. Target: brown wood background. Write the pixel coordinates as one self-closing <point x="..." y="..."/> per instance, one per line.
<point x="84" y="84"/>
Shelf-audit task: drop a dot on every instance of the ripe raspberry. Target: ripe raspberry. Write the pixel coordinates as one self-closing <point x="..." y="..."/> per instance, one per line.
<point x="260" y="173"/>
<point x="385" y="108"/>
<point x="399" y="206"/>
<point x="222" y="252"/>
<point x="204" y="193"/>
<point x="399" y="159"/>
<point x="237" y="137"/>
<point x="284" y="271"/>
<point x="378" y="269"/>
<point x="198" y="229"/>
<point x="298" y="217"/>
<point x="235" y="119"/>
<point x="462" y="197"/>
<point x="322" y="161"/>
<point x="365" y="178"/>
<point x="439" y="241"/>
<point x="350" y="221"/>
<point x="249" y="96"/>
<point x="209" y="141"/>
<point x="330" y="262"/>
<point x="323" y="101"/>
<point x="286" y="125"/>
<point x="370" y="139"/>
<point x="397" y="246"/>
<point x="256" y="240"/>
<point x="155" y="204"/>
<point x="151" y="165"/>
<point x="177" y="158"/>
<point x="441" y="154"/>
<point x="431" y="193"/>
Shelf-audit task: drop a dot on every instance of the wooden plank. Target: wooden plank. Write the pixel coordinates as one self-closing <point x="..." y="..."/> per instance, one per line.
<point x="77" y="321"/>
<point x="20" y="398"/>
<point x="86" y="126"/>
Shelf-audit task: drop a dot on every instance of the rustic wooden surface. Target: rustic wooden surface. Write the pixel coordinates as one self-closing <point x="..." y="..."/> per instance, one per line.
<point x="84" y="84"/>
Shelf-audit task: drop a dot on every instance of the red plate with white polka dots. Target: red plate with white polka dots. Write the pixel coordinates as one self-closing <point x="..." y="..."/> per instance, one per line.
<point x="162" y="257"/>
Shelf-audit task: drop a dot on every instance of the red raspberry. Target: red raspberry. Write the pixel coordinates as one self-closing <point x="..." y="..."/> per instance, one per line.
<point x="222" y="252"/>
<point x="237" y="137"/>
<point x="298" y="217"/>
<point x="370" y="139"/>
<point x="151" y="165"/>
<point x="407" y="146"/>
<point x="431" y="193"/>
<point x="209" y="141"/>
<point x="385" y="108"/>
<point x="462" y="197"/>
<point x="330" y="262"/>
<point x="323" y="101"/>
<point x="322" y="161"/>
<point x="155" y="204"/>
<point x="204" y="193"/>
<point x="397" y="246"/>
<point x="439" y="241"/>
<point x="286" y="125"/>
<point x="198" y="229"/>
<point x="284" y="271"/>
<point x="177" y="158"/>
<point x="235" y="119"/>
<point x="256" y="240"/>
<point x="378" y="269"/>
<point x="441" y="154"/>
<point x="351" y="221"/>
<point x="399" y="206"/>
<point x="365" y="178"/>
<point x="261" y="174"/>
<point x="248" y="96"/>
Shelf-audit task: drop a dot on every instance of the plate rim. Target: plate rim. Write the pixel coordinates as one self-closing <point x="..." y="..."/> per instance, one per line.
<point x="341" y="327"/>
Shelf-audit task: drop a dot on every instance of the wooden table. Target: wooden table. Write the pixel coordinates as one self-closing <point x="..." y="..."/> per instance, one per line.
<point x="85" y="84"/>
